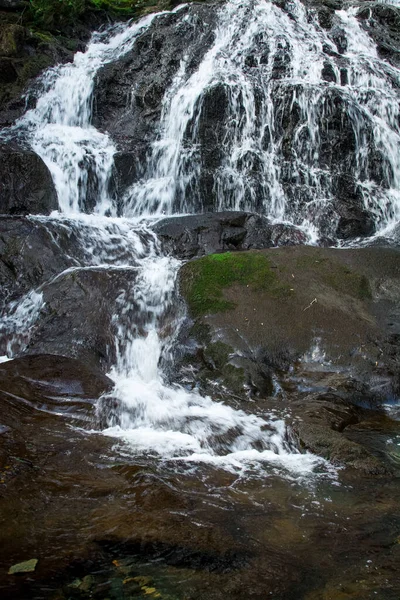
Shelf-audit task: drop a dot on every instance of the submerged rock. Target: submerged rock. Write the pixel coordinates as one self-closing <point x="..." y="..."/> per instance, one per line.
<point x="320" y="427"/>
<point x="26" y="184"/>
<point x="27" y="566"/>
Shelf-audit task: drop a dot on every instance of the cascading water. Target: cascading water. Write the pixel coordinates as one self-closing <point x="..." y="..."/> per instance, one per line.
<point x="282" y="81"/>
<point x="265" y="65"/>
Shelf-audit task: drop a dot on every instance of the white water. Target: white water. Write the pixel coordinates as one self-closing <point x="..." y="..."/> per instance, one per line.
<point x="299" y="188"/>
<point x="153" y="416"/>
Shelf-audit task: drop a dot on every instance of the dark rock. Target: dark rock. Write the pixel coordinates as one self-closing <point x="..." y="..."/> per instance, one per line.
<point x="197" y="235"/>
<point x="322" y="419"/>
<point x="32" y="253"/>
<point x="382" y="22"/>
<point x="328" y="74"/>
<point x="339" y="37"/>
<point x="44" y="377"/>
<point x="211" y="132"/>
<point x="149" y="69"/>
<point x="354" y="219"/>
<point x="359" y="224"/>
<point x="26" y="183"/>
<point x="8" y="74"/>
<point x="128" y="168"/>
<point x="75" y="303"/>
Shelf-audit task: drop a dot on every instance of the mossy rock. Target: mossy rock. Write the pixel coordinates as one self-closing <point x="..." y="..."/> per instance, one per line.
<point x="203" y="280"/>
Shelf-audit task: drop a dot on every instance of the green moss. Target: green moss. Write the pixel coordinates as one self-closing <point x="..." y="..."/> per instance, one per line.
<point x="364" y="289"/>
<point x="203" y="280"/>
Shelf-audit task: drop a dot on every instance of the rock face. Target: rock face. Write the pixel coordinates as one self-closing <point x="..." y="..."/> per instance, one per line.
<point x="317" y="328"/>
<point x="75" y="304"/>
<point x="149" y="69"/>
<point x="26" y="186"/>
<point x="31" y="254"/>
<point x="382" y="22"/>
<point x="198" y="235"/>
<point x="209" y="140"/>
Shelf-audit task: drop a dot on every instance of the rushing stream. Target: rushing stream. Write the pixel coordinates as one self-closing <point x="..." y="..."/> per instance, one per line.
<point x="269" y="63"/>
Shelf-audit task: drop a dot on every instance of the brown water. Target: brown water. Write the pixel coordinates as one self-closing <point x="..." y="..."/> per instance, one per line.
<point x="104" y="524"/>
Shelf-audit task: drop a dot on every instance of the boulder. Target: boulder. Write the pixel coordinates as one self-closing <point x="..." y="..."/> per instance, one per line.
<point x="297" y="319"/>
<point x="26" y="184"/>
<point x="198" y="235"/>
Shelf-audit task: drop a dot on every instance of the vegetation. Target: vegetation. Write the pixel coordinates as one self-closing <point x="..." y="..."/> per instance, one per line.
<point x="54" y="15"/>
<point x="204" y="280"/>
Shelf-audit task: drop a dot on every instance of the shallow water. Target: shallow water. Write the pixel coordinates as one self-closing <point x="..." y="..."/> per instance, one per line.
<point x="98" y="518"/>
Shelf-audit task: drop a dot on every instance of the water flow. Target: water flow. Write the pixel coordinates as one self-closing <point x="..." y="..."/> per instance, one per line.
<point x="297" y="113"/>
<point x="158" y="418"/>
<point x="80" y="157"/>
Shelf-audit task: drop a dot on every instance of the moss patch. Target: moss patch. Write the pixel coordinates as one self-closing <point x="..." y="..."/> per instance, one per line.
<point x="203" y="280"/>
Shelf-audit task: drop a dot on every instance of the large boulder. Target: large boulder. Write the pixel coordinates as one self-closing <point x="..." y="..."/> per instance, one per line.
<point x="26" y="185"/>
<point x="299" y="318"/>
<point x="198" y="235"/>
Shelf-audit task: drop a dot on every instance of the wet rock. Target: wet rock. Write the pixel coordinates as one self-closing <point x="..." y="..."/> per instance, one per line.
<point x="46" y="378"/>
<point x="75" y="303"/>
<point x="328" y="73"/>
<point x="198" y="235"/>
<point x="358" y="224"/>
<point x="25" y="567"/>
<point x="148" y="70"/>
<point x="211" y="129"/>
<point x="26" y="184"/>
<point x="322" y="419"/>
<point x="297" y="320"/>
<point x="32" y="253"/>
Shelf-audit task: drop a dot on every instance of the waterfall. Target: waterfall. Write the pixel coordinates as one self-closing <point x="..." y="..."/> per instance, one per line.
<point x="280" y="81"/>
<point x="267" y="67"/>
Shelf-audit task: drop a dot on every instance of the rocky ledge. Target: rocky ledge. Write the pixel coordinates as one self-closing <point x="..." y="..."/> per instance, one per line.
<point x="313" y="329"/>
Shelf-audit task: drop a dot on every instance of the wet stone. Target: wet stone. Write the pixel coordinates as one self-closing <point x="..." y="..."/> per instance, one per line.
<point x="27" y="566"/>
